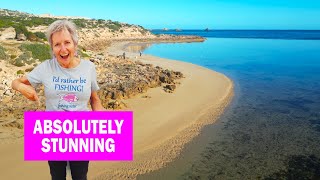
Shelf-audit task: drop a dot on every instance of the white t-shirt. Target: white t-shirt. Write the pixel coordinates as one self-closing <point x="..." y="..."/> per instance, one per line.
<point x="66" y="89"/>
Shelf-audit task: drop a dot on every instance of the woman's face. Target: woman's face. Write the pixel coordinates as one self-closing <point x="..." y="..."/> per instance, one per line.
<point x="63" y="48"/>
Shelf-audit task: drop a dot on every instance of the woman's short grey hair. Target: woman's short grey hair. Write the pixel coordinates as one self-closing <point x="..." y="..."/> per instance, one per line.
<point x="60" y="25"/>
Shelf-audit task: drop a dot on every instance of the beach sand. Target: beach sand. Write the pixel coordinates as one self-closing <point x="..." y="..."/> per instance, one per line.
<point x="163" y="123"/>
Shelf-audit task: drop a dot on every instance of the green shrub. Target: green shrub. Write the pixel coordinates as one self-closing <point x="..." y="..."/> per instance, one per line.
<point x="5" y="22"/>
<point x="39" y="51"/>
<point x="11" y="21"/>
<point x="143" y="28"/>
<point x="30" y="61"/>
<point x="80" y="23"/>
<point x="143" y="32"/>
<point x="83" y="54"/>
<point x="114" y="27"/>
<point x="100" y="21"/>
<point x="82" y="48"/>
<point x="13" y="56"/>
<point x="20" y="72"/>
<point x="40" y="35"/>
<point x="3" y="54"/>
<point x="18" y="62"/>
<point x="31" y="36"/>
<point x="29" y="69"/>
<point x="20" y="29"/>
<point x="22" y="59"/>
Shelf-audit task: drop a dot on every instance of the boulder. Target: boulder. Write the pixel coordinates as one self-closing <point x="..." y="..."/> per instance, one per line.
<point x="164" y="78"/>
<point x="21" y="37"/>
<point x="7" y="33"/>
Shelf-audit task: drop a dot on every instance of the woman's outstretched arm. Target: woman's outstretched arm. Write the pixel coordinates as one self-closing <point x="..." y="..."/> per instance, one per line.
<point x="24" y="87"/>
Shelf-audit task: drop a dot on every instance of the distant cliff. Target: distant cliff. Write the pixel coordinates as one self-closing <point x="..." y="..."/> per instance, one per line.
<point x="31" y="27"/>
<point x="94" y="33"/>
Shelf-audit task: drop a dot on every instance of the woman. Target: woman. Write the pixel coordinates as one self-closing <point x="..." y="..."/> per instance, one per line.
<point x="69" y="83"/>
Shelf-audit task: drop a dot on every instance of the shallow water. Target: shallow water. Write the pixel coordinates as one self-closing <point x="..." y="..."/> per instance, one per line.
<point x="272" y="128"/>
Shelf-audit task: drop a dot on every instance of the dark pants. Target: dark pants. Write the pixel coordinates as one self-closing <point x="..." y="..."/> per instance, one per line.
<point x="79" y="169"/>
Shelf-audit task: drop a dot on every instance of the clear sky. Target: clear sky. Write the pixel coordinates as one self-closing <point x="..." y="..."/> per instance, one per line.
<point x="185" y="14"/>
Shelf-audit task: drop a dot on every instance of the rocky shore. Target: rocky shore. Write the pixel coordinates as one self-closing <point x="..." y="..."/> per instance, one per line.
<point x="121" y="78"/>
<point x="118" y="79"/>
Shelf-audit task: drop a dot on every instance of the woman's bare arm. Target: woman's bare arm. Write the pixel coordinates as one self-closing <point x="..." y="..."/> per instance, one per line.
<point x="24" y="87"/>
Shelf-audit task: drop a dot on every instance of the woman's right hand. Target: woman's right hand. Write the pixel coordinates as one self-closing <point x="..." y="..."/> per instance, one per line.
<point x="24" y="87"/>
<point x="28" y="91"/>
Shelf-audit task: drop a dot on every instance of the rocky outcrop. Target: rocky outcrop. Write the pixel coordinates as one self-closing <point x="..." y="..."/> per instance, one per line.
<point x="118" y="79"/>
<point x="122" y="78"/>
<point x="7" y="33"/>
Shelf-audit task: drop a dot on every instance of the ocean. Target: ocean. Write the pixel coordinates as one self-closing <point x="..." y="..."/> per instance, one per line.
<point x="271" y="130"/>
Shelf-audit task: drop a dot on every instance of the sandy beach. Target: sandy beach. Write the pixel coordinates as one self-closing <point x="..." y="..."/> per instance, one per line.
<point x="163" y="123"/>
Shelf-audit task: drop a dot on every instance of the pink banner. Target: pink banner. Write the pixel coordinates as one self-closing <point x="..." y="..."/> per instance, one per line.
<point x="79" y="136"/>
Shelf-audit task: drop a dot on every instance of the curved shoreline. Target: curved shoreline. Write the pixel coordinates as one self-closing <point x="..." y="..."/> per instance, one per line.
<point x="195" y="103"/>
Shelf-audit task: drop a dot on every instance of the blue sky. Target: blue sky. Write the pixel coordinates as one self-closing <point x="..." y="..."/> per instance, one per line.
<point x="185" y="14"/>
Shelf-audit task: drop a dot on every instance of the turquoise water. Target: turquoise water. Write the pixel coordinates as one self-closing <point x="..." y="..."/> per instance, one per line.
<point x="253" y="34"/>
<point x="272" y="128"/>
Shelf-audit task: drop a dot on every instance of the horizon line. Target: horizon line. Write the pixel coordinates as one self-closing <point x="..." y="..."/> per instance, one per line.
<point x="203" y="29"/>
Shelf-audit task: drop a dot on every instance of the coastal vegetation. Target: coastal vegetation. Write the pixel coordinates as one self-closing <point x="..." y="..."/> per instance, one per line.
<point x="41" y="35"/>
<point x="3" y="54"/>
<point x="38" y="51"/>
<point x="23" y="59"/>
<point x="20" y="21"/>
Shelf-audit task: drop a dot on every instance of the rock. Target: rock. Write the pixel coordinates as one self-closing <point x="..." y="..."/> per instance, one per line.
<point x="155" y="83"/>
<point x="164" y="78"/>
<point x="123" y="78"/>
<point x="116" y="105"/>
<point x="7" y="92"/>
<point x="146" y="96"/>
<point x="178" y="74"/>
<point x="7" y="34"/>
<point x="117" y="95"/>
<point x="21" y="37"/>
<point x="169" y="88"/>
